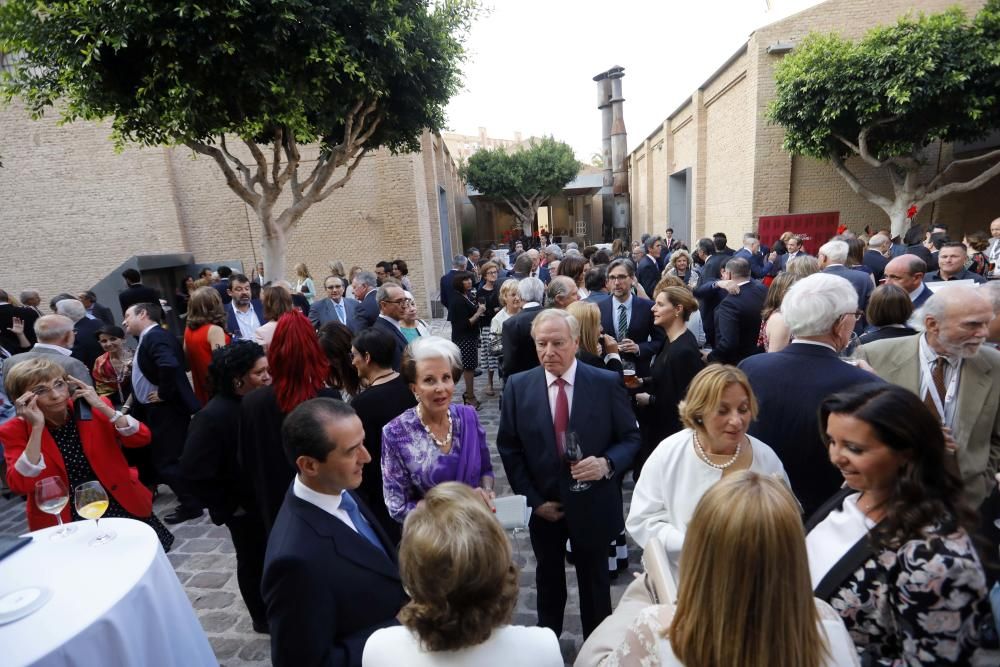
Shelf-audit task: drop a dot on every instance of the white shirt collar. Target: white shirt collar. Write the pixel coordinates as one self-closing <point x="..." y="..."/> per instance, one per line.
<point x="388" y="319"/>
<point x="530" y="304"/>
<point x="929" y="355"/>
<point x="327" y="502"/>
<point x="569" y="376"/>
<point x="146" y="330"/>
<point x="58" y="348"/>
<point x="917" y="292"/>
<point x="627" y="303"/>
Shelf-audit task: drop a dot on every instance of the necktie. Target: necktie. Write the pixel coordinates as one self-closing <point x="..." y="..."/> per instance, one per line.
<point x="561" y="422"/>
<point x="622" y="322"/>
<point x="349" y="505"/>
<point x="937" y="375"/>
<point x="340" y="313"/>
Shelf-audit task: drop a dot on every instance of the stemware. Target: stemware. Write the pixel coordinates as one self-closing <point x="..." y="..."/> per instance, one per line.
<point x="91" y="503"/>
<point x="571" y="446"/>
<point x="51" y="496"/>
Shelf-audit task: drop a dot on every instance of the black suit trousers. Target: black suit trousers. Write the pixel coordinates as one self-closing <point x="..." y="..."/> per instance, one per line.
<point x="250" y="542"/>
<point x="168" y="425"/>
<point x="548" y="540"/>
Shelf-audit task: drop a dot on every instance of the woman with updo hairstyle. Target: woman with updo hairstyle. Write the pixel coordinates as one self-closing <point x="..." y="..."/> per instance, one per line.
<point x="276" y="300"/>
<point x="716" y="413"/>
<point x="455" y="562"/>
<point x="774" y="333"/>
<point x="977" y="242"/>
<point x="892" y="551"/>
<point x="889" y="309"/>
<point x="211" y="467"/>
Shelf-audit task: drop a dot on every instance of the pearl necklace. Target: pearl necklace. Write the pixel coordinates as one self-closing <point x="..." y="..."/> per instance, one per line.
<point x="444" y="446"/>
<point x="717" y="466"/>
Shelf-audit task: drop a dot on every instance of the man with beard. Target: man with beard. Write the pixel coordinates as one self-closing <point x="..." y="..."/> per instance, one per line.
<point x="244" y="315"/>
<point x="957" y="377"/>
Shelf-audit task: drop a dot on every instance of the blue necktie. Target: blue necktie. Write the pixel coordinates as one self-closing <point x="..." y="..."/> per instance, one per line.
<point x="349" y="505"/>
<point x="340" y="312"/>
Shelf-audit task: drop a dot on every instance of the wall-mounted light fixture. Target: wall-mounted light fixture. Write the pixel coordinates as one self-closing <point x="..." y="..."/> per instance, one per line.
<point x="779" y="48"/>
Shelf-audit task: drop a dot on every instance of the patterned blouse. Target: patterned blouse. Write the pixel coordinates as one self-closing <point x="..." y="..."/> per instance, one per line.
<point x="412" y="463"/>
<point x="921" y="604"/>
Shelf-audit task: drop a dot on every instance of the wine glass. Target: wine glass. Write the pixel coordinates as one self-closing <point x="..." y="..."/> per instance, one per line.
<point x="571" y="445"/>
<point x="51" y="496"/>
<point x="91" y="503"/>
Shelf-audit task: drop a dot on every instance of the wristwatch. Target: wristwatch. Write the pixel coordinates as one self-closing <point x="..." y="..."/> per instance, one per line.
<point x="611" y="468"/>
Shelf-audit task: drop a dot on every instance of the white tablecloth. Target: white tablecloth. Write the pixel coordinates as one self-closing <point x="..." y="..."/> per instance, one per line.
<point x="113" y="604"/>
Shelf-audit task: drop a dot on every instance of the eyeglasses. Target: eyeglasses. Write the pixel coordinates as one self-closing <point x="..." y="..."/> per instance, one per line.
<point x="618" y="278"/>
<point x="857" y="314"/>
<point x="395" y="301"/>
<point x="43" y="389"/>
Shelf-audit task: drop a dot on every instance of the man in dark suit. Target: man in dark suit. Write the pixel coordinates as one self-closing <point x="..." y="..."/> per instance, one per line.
<point x="222" y="287"/>
<point x="335" y="307"/>
<point x="518" y="347"/>
<point x="737" y="317"/>
<point x="136" y="292"/>
<point x="164" y="401"/>
<point x="951" y="265"/>
<point x="331" y="576"/>
<point x="648" y="270"/>
<point x="794" y="247"/>
<point x="244" y="314"/>
<point x="592" y="404"/>
<point x="789" y="385"/>
<point x="715" y="263"/>
<point x="629" y="318"/>
<point x="94" y="309"/>
<point x="365" y="285"/>
<point x="8" y="312"/>
<point x="446" y="290"/>
<point x="876" y="256"/>
<point x="392" y="307"/>
<point x="537" y="270"/>
<point x="760" y="266"/>
<point x="832" y="256"/>
<point x="596" y="282"/>
<point x="907" y="272"/>
<point x="86" y="347"/>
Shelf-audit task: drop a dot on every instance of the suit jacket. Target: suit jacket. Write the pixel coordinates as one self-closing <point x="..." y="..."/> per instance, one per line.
<point x="862" y="284"/>
<point x="925" y="294"/>
<point x="737" y="324"/>
<point x="327" y="589"/>
<point x="103" y="314"/>
<point x="921" y="251"/>
<point x="641" y="329"/>
<point x="648" y="274"/>
<point x="137" y="293"/>
<point x="789" y="386"/>
<point x="964" y="274"/>
<point x="72" y="365"/>
<point x="325" y="310"/>
<point x="222" y="287"/>
<point x="977" y="415"/>
<point x="447" y="293"/>
<point x="781" y="263"/>
<point x="518" y="345"/>
<point x="759" y="266"/>
<point x="876" y="261"/>
<point x="601" y="415"/>
<point x="367" y="312"/>
<point x="709" y="297"/>
<point x="383" y="324"/>
<point x="714" y="265"/>
<point x="86" y="347"/>
<point x="597" y="297"/>
<point x="161" y="360"/>
<point x="544" y="275"/>
<point x="101" y="446"/>
<point x="7" y="314"/>
<point x="233" y="326"/>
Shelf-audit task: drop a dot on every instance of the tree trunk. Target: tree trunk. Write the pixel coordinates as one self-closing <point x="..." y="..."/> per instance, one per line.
<point x="897" y="215"/>
<point x="272" y="250"/>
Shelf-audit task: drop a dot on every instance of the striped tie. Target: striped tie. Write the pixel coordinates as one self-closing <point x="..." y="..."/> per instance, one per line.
<point x="622" y="322"/>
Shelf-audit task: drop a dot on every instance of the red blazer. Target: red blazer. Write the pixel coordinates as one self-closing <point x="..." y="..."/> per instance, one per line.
<point x="100" y="442"/>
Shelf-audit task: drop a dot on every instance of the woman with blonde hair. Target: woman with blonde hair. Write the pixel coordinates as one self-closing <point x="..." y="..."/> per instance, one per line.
<point x="682" y="266"/>
<point x="774" y="333"/>
<point x="802" y="266"/>
<point x="744" y="560"/>
<point x="204" y="332"/>
<point x="455" y="562"/>
<point x="305" y="285"/>
<point x="596" y="348"/>
<point x="716" y="413"/>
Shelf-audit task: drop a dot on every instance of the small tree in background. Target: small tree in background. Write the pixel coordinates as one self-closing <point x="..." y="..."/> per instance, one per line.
<point x="349" y="76"/>
<point x="888" y="97"/>
<point x="525" y="178"/>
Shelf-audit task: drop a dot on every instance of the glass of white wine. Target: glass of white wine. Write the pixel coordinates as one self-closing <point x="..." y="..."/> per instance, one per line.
<point x="91" y="503"/>
<point x="51" y="496"/>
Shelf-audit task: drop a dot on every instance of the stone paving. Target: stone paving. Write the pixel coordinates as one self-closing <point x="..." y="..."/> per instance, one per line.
<point x="205" y="563"/>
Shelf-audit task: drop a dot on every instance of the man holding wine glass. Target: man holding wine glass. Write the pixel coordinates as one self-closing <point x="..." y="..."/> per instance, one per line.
<point x="548" y="414"/>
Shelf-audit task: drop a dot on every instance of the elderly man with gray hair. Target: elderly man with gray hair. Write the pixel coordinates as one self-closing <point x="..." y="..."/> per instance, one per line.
<point x="820" y="310"/>
<point x="877" y="255"/>
<point x="957" y="377"/>
<point x="518" y="347"/>
<point x="86" y="347"/>
<point x="832" y="256"/>
<point x="365" y="285"/>
<point x="55" y="343"/>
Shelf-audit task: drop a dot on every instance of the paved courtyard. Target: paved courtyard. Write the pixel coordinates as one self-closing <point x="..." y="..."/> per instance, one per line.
<point x="205" y="563"/>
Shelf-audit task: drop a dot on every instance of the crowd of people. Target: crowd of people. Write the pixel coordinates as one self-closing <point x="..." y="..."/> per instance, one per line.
<point x="814" y="442"/>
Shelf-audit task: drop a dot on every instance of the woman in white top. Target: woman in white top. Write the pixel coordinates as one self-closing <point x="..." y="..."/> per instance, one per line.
<point x="717" y="411"/>
<point x="744" y="597"/>
<point x="455" y="562"/>
<point x="511" y="302"/>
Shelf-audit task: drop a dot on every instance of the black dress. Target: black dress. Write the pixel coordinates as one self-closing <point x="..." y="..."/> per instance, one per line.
<point x="79" y="470"/>
<point x="463" y="334"/>
<point x="376" y="407"/>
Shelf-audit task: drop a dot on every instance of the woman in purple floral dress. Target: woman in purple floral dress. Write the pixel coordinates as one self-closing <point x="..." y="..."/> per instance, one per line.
<point x="436" y="441"/>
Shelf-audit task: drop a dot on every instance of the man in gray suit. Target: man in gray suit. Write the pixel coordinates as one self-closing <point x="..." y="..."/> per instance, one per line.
<point x="334" y="308"/>
<point x="957" y="376"/>
<point x="55" y="342"/>
<point x="832" y="256"/>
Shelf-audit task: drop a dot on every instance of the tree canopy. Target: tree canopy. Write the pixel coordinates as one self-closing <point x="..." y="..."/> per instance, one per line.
<point x="525" y="178"/>
<point x="892" y="94"/>
<point x="350" y="75"/>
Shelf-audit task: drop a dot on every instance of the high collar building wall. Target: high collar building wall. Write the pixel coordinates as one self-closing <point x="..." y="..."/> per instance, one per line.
<point x="73" y="210"/>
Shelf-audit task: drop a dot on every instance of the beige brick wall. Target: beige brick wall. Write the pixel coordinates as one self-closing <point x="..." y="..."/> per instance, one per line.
<point x="730" y="154"/>
<point x="73" y="209"/>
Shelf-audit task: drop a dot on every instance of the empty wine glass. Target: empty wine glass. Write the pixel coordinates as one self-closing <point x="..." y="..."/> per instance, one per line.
<point x="51" y="496"/>
<point x="571" y="446"/>
<point x="91" y="503"/>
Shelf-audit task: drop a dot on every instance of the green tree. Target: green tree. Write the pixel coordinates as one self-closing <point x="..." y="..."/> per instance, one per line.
<point x="889" y="97"/>
<point x="525" y="178"/>
<point x="346" y="75"/>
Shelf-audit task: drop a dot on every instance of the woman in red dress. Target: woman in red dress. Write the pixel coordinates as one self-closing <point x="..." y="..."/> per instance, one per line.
<point x="204" y="332"/>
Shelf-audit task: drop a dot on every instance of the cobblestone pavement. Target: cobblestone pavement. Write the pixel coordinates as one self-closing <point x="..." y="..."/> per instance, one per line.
<point x="205" y="563"/>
